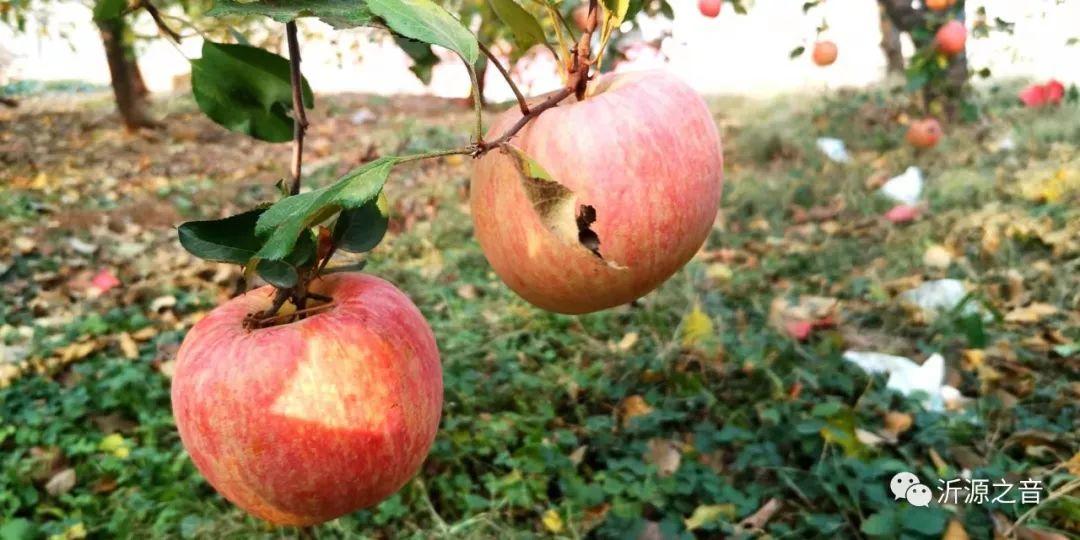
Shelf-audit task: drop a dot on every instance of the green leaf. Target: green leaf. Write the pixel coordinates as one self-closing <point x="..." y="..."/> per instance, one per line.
<point x="361" y="229"/>
<point x="18" y="529"/>
<point x="426" y="21"/>
<point x="283" y="274"/>
<point x="618" y="9"/>
<point x="109" y="9"/>
<point x="285" y="220"/>
<point x="233" y="240"/>
<point x="796" y="52"/>
<point x="337" y="13"/>
<point x="424" y="59"/>
<point x="246" y="89"/>
<point x="930" y="521"/>
<point x="229" y="240"/>
<point x="523" y="25"/>
<point x="879" y="524"/>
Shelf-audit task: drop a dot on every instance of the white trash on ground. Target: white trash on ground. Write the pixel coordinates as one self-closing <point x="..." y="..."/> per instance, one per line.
<point x="834" y="149"/>
<point x="940" y="296"/>
<point x="907" y="377"/>
<point x="906" y="188"/>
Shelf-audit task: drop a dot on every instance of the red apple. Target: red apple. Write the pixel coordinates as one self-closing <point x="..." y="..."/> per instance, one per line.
<point x="904" y="213"/>
<point x="304" y="422"/>
<point x="924" y="133"/>
<point x="951" y="38"/>
<point x="939" y="5"/>
<point x="824" y="53"/>
<point x="710" y="8"/>
<point x="643" y="151"/>
<point x="1033" y="96"/>
<point x="1055" y="91"/>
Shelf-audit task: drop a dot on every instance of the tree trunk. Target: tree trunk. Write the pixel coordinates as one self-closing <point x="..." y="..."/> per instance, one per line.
<point x="137" y="81"/>
<point x="890" y="43"/>
<point x="128" y="101"/>
<point x="952" y="88"/>
<point x="8" y="102"/>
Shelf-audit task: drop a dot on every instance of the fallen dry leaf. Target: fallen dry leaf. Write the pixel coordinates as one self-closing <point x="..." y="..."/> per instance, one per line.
<point x="128" y="346"/>
<point x="896" y="423"/>
<point x="937" y="256"/>
<point x="665" y="455"/>
<point x="1031" y="314"/>
<point x="697" y="327"/>
<point x="708" y="513"/>
<point x="61" y="482"/>
<point x="553" y="522"/>
<point x="758" y="520"/>
<point x="633" y="407"/>
<point x="955" y="531"/>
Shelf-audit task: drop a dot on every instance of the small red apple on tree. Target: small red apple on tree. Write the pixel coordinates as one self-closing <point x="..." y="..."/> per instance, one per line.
<point x="710" y="8"/>
<point x="951" y="38"/>
<point x="621" y="191"/>
<point x="825" y="53"/>
<point x="308" y="421"/>
<point x="939" y="5"/>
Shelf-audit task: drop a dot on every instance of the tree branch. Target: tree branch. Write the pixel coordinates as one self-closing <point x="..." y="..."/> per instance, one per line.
<point x="902" y="15"/>
<point x="300" y="122"/>
<point x="156" y="15"/>
<point x="506" y="75"/>
<point x="548" y="103"/>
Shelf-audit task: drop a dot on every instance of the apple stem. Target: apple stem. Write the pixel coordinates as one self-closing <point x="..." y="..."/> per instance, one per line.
<point x="506" y="75"/>
<point x="300" y="122"/>
<point x="580" y="63"/>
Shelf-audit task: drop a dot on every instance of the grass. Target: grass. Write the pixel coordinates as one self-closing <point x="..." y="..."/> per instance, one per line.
<point x="543" y="433"/>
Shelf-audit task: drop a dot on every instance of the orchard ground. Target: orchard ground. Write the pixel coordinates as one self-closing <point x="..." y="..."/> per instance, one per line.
<point x="691" y="413"/>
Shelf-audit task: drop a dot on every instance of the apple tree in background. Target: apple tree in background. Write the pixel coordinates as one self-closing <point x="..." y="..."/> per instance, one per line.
<point x="115" y="20"/>
<point x="321" y="392"/>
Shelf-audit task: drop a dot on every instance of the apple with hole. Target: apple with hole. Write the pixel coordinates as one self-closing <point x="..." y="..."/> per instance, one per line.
<point x="710" y="8"/>
<point x="304" y="422"/>
<point x="824" y="53"/>
<point x="614" y="195"/>
<point x="951" y="38"/>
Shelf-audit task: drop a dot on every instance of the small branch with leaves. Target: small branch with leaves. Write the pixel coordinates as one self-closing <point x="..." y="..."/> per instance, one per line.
<point x="278" y="242"/>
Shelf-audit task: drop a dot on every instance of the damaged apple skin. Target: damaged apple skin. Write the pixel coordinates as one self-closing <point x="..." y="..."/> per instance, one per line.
<point x="643" y="151"/>
<point x="308" y="421"/>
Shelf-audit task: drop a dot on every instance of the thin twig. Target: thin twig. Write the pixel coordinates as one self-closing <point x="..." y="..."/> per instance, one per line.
<point x="1060" y="492"/>
<point x="156" y="15"/>
<point x="506" y="75"/>
<point x="477" y="150"/>
<point x="549" y="103"/>
<point x="300" y="122"/>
